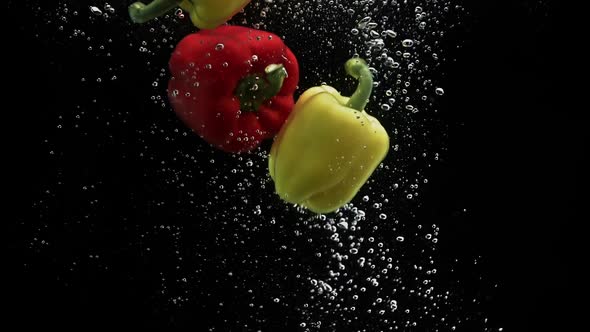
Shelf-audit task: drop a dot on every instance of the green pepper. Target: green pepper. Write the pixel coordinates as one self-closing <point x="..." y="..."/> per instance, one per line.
<point x="329" y="146"/>
<point x="205" y="14"/>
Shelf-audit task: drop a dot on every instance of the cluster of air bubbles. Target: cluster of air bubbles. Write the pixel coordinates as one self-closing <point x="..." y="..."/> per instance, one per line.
<point x="107" y="9"/>
<point x="402" y="53"/>
<point x="362" y="266"/>
<point x="179" y="13"/>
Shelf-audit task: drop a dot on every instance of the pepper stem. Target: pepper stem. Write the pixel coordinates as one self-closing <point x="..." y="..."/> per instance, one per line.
<point x="253" y="90"/>
<point x="275" y="76"/>
<point x="359" y="69"/>
<point x="141" y="13"/>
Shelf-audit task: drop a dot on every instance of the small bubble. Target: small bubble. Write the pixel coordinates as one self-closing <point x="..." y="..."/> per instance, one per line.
<point x="95" y="10"/>
<point x="390" y="33"/>
<point x="363" y="23"/>
<point x="343" y="225"/>
<point x="407" y="43"/>
<point x="109" y="9"/>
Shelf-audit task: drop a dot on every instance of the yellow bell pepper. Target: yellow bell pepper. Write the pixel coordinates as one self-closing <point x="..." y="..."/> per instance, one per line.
<point x="209" y="14"/>
<point x="205" y="14"/>
<point x="329" y="146"/>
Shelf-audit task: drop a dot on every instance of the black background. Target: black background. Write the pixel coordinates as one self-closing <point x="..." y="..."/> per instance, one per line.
<point x="514" y="161"/>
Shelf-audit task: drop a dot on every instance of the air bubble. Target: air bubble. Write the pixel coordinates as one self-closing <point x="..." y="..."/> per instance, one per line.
<point x="407" y="43"/>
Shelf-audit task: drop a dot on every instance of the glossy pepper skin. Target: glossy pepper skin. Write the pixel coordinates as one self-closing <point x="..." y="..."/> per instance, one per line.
<point x="233" y="85"/>
<point x="329" y="146"/>
<point x="205" y="14"/>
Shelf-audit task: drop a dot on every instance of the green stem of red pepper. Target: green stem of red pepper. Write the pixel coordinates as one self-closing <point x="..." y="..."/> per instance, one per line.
<point x="141" y="13"/>
<point x="253" y="90"/>
<point x="359" y="69"/>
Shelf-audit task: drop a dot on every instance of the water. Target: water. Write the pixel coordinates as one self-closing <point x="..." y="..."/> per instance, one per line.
<point x="134" y="199"/>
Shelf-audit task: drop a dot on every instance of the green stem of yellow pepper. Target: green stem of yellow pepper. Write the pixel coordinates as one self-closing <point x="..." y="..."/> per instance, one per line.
<point x="359" y="69"/>
<point x="141" y="13"/>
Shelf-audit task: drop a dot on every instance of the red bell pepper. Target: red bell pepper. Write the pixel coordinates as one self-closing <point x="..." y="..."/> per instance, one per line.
<point x="233" y="85"/>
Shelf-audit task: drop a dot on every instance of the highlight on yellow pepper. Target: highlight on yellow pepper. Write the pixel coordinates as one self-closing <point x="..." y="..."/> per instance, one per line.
<point x="205" y="14"/>
<point x="329" y="146"/>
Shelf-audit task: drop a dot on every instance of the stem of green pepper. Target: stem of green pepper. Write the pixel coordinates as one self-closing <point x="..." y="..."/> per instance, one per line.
<point x="141" y="13"/>
<point x="359" y="69"/>
<point x="253" y="90"/>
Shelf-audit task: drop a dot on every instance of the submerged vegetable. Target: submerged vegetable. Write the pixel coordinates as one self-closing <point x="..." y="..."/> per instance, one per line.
<point x="329" y="146"/>
<point x="205" y="14"/>
<point x="233" y="85"/>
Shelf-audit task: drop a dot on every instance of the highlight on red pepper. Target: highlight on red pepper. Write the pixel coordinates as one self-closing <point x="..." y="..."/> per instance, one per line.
<point x="205" y="14"/>
<point x="233" y="85"/>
